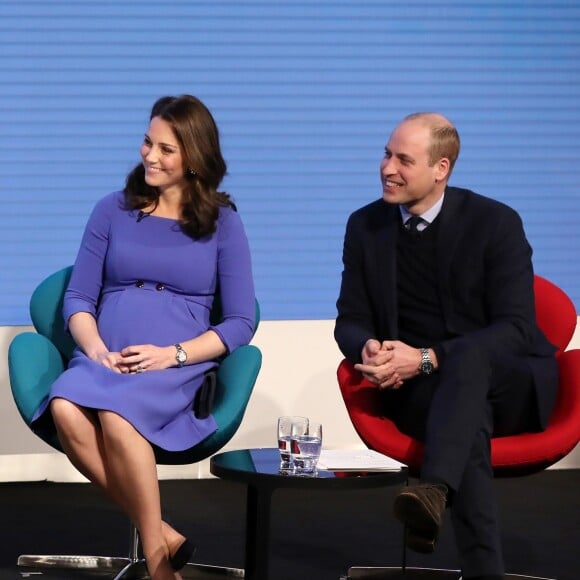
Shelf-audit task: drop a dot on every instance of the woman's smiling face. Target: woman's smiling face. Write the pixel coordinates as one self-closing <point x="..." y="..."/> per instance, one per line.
<point x="162" y="157"/>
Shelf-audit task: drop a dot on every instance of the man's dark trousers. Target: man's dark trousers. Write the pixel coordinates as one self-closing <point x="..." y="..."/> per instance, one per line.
<point x="455" y="411"/>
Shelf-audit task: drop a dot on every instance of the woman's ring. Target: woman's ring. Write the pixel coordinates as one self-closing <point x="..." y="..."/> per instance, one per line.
<point x="139" y="369"/>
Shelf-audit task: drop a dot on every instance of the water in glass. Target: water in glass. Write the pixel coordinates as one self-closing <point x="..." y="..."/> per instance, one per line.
<point x="306" y="446"/>
<point x="284" y="436"/>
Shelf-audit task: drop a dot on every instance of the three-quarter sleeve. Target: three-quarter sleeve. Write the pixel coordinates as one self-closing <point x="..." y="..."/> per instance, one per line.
<point x="235" y="282"/>
<point x="84" y="289"/>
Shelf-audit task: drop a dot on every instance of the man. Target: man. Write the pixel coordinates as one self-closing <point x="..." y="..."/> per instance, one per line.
<point x="436" y="308"/>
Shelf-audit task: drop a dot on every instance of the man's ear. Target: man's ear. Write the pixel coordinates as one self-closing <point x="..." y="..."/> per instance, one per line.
<point x="442" y="169"/>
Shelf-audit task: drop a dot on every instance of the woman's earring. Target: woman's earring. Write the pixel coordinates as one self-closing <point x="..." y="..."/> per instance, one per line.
<point x="191" y="172"/>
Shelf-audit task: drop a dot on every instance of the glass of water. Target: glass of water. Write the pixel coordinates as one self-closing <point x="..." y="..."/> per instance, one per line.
<point x="284" y="435"/>
<point x="306" y="444"/>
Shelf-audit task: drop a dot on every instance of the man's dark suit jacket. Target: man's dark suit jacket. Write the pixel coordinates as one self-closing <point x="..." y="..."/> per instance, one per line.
<point x="485" y="280"/>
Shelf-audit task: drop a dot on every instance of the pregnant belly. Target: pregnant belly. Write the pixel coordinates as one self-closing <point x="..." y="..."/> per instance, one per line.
<point x="140" y="316"/>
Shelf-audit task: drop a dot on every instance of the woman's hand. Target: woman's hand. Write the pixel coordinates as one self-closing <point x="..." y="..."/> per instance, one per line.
<point x="83" y="328"/>
<point x="111" y="360"/>
<point x="140" y="358"/>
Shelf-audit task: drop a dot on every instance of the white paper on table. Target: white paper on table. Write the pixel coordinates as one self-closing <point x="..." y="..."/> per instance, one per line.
<point x="356" y="460"/>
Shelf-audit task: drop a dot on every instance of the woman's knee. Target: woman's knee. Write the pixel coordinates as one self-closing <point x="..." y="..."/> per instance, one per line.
<point x="71" y="421"/>
<point x="63" y="412"/>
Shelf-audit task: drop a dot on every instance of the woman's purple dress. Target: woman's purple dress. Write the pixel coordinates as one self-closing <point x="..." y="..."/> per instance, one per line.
<point x="146" y="282"/>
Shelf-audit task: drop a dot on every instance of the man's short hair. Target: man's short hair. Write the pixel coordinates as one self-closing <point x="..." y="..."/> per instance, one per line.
<point x="444" y="138"/>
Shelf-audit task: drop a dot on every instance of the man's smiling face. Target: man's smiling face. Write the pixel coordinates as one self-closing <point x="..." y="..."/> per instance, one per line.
<point x="406" y="174"/>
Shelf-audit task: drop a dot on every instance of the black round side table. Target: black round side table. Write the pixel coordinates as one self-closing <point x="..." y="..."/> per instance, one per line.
<point x="259" y="470"/>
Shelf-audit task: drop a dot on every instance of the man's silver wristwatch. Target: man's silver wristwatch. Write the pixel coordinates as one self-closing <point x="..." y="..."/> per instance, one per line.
<point x="426" y="367"/>
<point x="180" y="355"/>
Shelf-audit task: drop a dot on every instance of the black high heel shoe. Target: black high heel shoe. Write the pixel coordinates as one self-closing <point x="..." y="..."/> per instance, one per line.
<point x="182" y="555"/>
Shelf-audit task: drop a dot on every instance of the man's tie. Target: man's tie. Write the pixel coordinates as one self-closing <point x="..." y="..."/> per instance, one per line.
<point x="413" y="223"/>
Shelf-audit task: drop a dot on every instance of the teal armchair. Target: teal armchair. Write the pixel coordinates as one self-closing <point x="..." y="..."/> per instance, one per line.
<point x="36" y="359"/>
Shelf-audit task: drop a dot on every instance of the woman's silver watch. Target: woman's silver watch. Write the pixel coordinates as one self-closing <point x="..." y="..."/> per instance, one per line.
<point x="180" y="355"/>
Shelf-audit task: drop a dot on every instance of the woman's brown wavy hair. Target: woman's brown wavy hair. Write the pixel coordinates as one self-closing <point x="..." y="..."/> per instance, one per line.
<point x="204" y="167"/>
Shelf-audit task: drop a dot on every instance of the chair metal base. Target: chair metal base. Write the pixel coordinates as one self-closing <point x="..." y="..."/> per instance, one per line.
<point x="131" y="568"/>
<point x="121" y="568"/>
<point x="94" y="565"/>
<point x="382" y="573"/>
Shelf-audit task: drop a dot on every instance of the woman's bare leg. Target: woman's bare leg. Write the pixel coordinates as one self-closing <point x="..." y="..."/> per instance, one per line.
<point x="79" y="433"/>
<point x="131" y="462"/>
<point x="81" y="436"/>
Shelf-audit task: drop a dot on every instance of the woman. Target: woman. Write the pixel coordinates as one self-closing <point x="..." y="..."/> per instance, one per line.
<point x="150" y="262"/>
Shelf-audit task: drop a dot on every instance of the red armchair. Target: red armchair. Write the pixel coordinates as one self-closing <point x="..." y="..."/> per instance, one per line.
<point x="513" y="455"/>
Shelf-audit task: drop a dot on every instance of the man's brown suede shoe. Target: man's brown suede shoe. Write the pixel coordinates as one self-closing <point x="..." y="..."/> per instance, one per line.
<point x="421" y="508"/>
